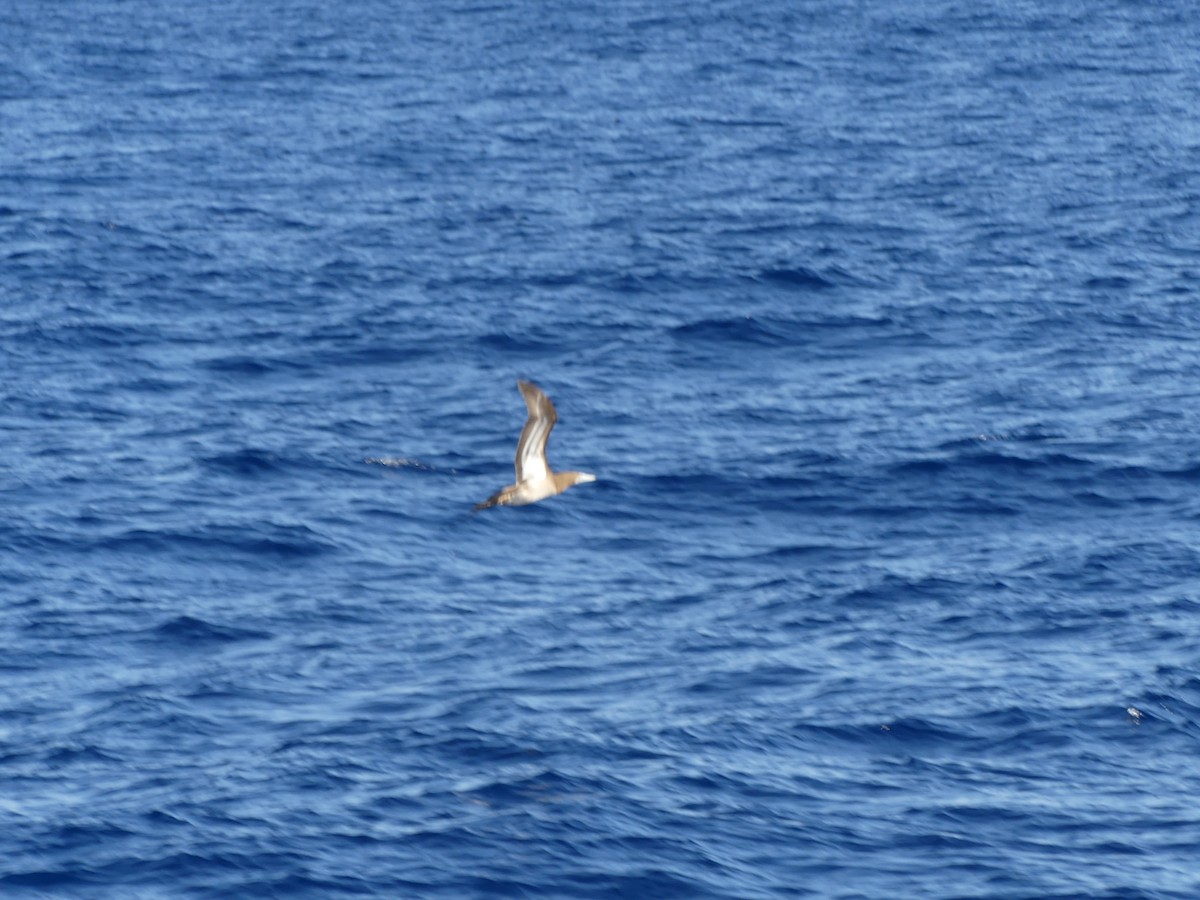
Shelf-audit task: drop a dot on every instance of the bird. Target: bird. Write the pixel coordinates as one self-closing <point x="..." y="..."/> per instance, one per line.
<point x="535" y="481"/>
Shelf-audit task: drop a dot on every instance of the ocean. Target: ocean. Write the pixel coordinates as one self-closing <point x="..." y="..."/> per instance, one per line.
<point x="877" y="322"/>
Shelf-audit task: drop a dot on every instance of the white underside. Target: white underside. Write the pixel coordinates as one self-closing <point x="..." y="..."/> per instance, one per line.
<point x="531" y="490"/>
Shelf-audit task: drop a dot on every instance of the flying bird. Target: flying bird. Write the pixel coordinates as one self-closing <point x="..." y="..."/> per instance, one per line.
<point x="535" y="481"/>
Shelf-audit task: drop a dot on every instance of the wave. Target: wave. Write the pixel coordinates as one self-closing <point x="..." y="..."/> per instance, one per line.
<point x="745" y="330"/>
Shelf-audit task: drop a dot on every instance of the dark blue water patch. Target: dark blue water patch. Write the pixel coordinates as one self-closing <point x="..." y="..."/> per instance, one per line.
<point x="724" y="331"/>
<point x="789" y="333"/>
<point x="255" y="366"/>
<point x="1156" y="557"/>
<point x="810" y="551"/>
<point x="759" y="679"/>
<point x="56" y="879"/>
<point x="189" y="631"/>
<point x="914" y="733"/>
<point x="892" y="590"/>
<point x="1109" y="283"/>
<point x="30" y="539"/>
<point x="982" y="479"/>
<point x="75" y="753"/>
<point x="799" y="278"/>
<point x="247" y="462"/>
<point x="1189" y="473"/>
<point x="85" y="337"/>
<point x="287" y="464"/>
<point x="268" y="544"/>
<point x="989" y="461"/>
<point x="153" y="385"/>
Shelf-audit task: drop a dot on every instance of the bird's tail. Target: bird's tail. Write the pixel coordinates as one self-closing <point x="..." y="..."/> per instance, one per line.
<point x="496" y="499"/>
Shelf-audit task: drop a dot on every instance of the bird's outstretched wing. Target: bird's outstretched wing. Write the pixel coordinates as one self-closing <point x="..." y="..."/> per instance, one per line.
<point x="531" y="449"/>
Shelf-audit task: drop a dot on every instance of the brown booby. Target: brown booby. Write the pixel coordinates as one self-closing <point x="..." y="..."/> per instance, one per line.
<point x="535" y="481"/>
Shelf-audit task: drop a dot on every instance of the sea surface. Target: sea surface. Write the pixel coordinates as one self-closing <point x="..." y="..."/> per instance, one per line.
<point x="878" y="322"/>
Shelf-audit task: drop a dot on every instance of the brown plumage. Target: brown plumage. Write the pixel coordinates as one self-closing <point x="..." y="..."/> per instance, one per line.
<point x="535" y="481"/>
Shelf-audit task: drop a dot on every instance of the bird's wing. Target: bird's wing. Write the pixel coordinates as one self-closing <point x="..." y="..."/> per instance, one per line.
<point x="531" y="449"/>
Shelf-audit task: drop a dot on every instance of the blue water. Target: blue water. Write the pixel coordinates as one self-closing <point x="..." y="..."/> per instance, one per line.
<point x="878" y="323"/>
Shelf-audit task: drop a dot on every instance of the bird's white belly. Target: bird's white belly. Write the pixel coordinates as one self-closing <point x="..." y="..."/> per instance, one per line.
<point x="531" y="490"/>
